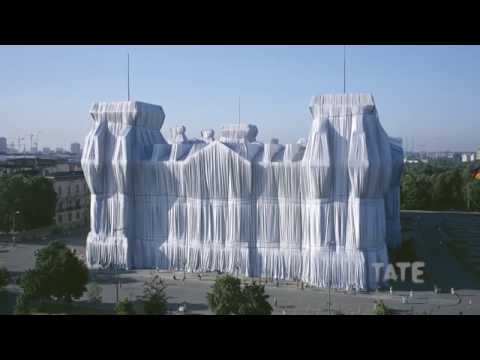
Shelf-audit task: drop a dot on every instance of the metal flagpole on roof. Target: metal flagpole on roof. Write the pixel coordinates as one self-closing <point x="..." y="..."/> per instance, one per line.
<point x="128" y="75"/>
<point x="239" y="110"/>
<point x="344" y="68"/>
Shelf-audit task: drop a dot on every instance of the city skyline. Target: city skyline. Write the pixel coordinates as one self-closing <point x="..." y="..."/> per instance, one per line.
<point x="424" y="93"/>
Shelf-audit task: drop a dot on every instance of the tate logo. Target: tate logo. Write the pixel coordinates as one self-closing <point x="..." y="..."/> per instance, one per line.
<point x="390" y="271"/>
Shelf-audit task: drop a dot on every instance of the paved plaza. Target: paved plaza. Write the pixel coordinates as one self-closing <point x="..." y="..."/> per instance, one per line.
<point x="289" y="297"/>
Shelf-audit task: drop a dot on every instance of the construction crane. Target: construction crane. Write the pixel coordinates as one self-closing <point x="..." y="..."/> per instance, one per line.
<point x="36" y="142"/>
<point x="31" y="142"/>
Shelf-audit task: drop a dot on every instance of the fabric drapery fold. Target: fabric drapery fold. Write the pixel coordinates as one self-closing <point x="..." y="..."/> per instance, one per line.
<point x="323" y="211"/>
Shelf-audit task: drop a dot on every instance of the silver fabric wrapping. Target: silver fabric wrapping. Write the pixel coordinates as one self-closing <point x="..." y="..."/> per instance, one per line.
<point x="320" y="212"/>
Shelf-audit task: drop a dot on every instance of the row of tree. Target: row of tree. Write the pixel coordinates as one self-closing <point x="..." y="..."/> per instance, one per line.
<point x="439" y="186"/>
<point x="26" y="202"/>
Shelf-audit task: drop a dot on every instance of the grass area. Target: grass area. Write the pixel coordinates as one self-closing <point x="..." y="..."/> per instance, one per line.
<point x="404" y="253"/>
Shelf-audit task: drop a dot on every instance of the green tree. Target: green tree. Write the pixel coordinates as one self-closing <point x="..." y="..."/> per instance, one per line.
<point x="32" y="285"/>
<point x="58" y="274"/>
<point x="381" y="308"/>
<point x="474" y="193"/>
<point x="447" y="190"/>
<point x="125" y="307"/>
<point x="415" y="192"/>
<point x="33" y="196"/>
<point x="154" y="297"/>
<point x="226" y="297"/>
<point x="254" y="301"/>
<point x="4" y="277"/>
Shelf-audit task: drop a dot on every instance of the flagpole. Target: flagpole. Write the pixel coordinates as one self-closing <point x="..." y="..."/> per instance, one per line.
<point x="239" y="110"/>
<point x="344" y="68"/>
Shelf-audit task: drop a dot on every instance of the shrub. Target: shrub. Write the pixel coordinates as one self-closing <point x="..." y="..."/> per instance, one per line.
<point x="254" y="301"/>
<point x="381" y="308"/>
<point x="125" y="307"/>
<point x="228" y="298"/>
<point x="154" y="297"/>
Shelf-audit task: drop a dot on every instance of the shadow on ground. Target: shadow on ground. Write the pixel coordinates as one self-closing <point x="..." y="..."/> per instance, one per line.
<point x="106" y="279"/>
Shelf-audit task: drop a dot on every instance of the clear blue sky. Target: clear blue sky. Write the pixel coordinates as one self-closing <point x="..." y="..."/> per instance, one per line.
<point x="429" y="93"/>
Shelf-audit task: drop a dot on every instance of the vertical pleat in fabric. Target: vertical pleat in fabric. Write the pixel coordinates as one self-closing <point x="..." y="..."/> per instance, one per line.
<point x="321" y="212"/>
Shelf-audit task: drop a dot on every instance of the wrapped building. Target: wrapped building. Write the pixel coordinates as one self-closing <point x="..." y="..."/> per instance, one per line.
<point x="322" y="211"/>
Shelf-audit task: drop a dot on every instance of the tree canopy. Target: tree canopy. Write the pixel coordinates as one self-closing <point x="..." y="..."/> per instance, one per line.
<point x="32" y="196"/>
<point x="58" y="274"/>
<point x="439" y="186"/>
<point x="228" y="298"/>
<point x="154" y="297"/>
<point x="255" y="301"/>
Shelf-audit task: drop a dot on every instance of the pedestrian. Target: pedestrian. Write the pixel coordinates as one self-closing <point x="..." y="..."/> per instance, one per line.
<point x="174" y="277"/>
<point x="275" y="301"/>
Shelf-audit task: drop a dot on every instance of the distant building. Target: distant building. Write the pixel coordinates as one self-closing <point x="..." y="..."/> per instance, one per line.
<point x="28" y="164"/>
<point x="478" y="154"/>
<point x="46" y="150"/>
<point x="59" y="167"/>
<point x="75" y="149"/>
<point x="468" y="157"/>
<point x="3" y="145"/>
<point x="44" y="165"/>
<point x="59" y="150"/>
<point x="73" y="199"/>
